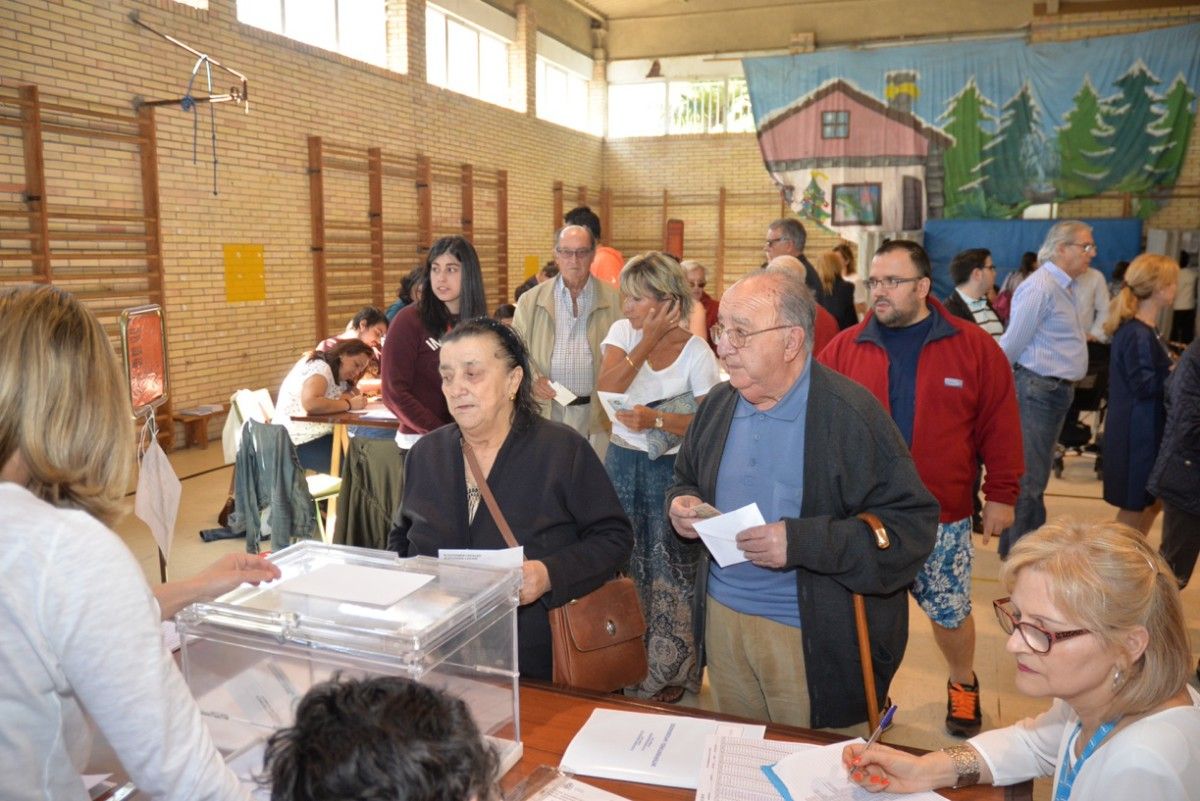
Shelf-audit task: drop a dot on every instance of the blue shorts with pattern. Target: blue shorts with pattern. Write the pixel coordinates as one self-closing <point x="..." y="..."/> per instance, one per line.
<point x="943" y="587"/>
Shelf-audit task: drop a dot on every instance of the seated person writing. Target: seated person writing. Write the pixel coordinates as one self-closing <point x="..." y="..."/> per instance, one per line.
<point x="384" y="737"/>
<point x="1095" y="623"/>
<point x="320" y="384"/>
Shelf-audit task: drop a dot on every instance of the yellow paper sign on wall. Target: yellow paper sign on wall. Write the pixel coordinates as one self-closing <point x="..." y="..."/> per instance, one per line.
<point x="245" y="277"/>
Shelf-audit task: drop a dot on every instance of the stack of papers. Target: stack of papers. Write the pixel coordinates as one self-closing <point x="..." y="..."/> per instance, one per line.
<point x="819" y="773"/>
<point x="666" y="750"/>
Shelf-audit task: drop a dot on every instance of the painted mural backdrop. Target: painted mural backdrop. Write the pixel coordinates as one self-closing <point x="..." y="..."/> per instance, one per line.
<point x="886" y="138"/>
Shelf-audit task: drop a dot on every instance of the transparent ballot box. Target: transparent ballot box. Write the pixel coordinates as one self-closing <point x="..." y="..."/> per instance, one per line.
<point x="251" y="655"/>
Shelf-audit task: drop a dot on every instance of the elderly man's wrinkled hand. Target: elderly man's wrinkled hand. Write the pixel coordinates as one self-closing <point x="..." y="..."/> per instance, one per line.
<point x="766" y="545"/>
<point x="683" y="515"/>
<point x="542" y="390"/>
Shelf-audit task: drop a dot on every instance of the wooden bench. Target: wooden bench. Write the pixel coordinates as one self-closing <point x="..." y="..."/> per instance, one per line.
<point x="195" y="424"/>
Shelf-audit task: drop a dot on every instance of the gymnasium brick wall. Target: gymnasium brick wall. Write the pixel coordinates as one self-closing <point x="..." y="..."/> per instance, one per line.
<point x="89" y="54"/>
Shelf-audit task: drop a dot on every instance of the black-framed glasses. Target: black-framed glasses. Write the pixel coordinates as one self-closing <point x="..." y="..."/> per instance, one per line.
<point x="579" y="253"/>
<point x="775" y="241"/>
<point x="891" y="282"/>
<point x="1037" y="638"/>
<point x="739" y="338"/>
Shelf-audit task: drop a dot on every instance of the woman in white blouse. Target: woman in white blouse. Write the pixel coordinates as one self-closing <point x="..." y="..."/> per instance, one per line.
<point x="663" y="372"/>
<point x="1095" y="623"/>
<point x="321" y="383"/>
<point x="80" y="638"/>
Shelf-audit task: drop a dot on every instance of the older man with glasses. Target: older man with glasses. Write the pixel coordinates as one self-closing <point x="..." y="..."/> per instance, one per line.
<point x="816" y="453"/>
<point x="1047" y="346"/>
<point x="563" y="323"/>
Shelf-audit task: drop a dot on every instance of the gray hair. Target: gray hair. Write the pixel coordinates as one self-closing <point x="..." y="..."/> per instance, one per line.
<point x="1061" y="233"/>
<point x="691" y="264"/>
<point x="794" y="304"/>
<point x="792" y="230"/>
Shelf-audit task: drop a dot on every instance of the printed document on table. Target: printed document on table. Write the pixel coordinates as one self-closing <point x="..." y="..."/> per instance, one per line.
<point x="562" y="395"/>
<point x="565" y="788"/>
<point x="733" y="768"/>
<point x="356" y="584"/>
<point x="819" y="773"/>
<point x="720" y="533"/>
<point x="666" y="750"/>
<point x="500" y="557"/>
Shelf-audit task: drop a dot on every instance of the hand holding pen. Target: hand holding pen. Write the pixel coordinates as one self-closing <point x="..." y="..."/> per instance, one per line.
<point x="874" y="782"/>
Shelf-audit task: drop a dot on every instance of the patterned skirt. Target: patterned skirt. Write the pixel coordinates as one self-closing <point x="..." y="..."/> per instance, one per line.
<point x="663" y="567"/>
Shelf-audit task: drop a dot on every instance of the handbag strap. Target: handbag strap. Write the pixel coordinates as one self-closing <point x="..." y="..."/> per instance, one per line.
<point x="488" y="497"/>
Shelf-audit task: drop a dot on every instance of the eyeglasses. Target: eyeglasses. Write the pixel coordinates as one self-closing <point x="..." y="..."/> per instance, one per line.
<point x="891" y="282"/>
<point x="1037" y="638"/>
<point x="775" y="241"/>
<point x="1086" y="247"/>
<point x="567" y="253"/>
<point x="737" y="337"/>
<point x="700" y="284"/>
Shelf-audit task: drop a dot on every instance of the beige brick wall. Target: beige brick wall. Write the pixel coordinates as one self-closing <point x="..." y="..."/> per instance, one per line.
<point x="89" y="54"/>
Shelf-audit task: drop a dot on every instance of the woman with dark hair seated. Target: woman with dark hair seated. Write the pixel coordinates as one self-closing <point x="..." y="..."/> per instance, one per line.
<point x="547" y="481"/>
<point x="320" y="383"/>
<point x="451" y="290"/>
<point x="1096" y="625"/>
<point x="383" y="737"/>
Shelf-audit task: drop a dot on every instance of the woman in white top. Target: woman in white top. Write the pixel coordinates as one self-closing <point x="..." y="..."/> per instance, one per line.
<point x="1096" y="624"/>
<point x="79" y="627"/>
<point x="663" y="371"/>
<point x="320" y="383"/>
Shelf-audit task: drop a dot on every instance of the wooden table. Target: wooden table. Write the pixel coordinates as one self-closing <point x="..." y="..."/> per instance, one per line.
<point x="551" y="716"/>
<point x="339" y="421"/>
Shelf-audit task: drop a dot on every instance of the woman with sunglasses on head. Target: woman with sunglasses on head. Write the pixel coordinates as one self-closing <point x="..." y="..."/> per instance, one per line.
<point x="1095" y="623"/>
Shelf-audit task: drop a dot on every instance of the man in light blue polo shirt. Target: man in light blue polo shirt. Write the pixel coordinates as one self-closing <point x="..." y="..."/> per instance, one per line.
<point x="814" y="450"/>
<point x="1047" y="347"/>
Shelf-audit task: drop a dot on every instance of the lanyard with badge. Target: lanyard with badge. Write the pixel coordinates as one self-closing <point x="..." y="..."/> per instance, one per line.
<point x="1070" y="769"/>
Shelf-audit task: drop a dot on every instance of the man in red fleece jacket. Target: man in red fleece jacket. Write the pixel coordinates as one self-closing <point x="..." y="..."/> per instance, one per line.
<point x="950" y="390"/>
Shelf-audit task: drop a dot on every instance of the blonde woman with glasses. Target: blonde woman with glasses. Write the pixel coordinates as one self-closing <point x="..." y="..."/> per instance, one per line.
<point x="1095" y="623"/>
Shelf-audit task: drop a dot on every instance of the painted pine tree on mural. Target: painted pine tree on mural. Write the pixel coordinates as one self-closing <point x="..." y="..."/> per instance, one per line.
<point x="1082" y="155"/>
<point x="1007" y="156"/>
<point x="966" y="113"/>
<point x="813" y="203"/>
<point x="1134" y="139"/>
<point x="1176" y="123"/>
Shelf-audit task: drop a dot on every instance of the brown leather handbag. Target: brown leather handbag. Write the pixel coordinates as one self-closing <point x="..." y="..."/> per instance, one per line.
<point x="597" y="640"/>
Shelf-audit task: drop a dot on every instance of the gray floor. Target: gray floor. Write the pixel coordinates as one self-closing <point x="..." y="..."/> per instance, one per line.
<point x="919" y="687"/>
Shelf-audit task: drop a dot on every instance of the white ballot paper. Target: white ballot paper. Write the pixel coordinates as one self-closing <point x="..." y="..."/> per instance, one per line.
<point x="819" y="773"/>
<point x="356" y="584"/>
<point x="719" y="533"/>
<point x="614" y="402"/>
<point x="502" y="557"/>
<point x="562" y="395"/>
<point x="666" y="750"/>
<point x="733" y="768"/>
<point x="565" y="788"/>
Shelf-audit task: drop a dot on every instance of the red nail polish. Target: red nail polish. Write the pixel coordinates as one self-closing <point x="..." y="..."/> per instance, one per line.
<point x="857" y="761"/>
<point x="874" y="780"/>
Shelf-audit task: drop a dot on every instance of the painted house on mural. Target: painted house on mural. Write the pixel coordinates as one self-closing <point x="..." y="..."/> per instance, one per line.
<point x="847" y="159"/>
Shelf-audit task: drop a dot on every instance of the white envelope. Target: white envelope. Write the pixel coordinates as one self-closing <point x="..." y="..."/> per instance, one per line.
<point x="719" y="533"/>
<point x="562" y="395"/>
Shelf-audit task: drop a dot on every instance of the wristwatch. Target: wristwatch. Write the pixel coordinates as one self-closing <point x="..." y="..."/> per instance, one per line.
<point x="658" y="420"/>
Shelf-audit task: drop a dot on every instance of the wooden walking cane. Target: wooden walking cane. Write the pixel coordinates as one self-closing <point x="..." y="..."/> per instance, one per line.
<point x="882" y="542"/>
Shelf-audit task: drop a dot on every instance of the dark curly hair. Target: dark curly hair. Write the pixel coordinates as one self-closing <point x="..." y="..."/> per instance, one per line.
<point x="384" y="737"/>
<point x="525" y="407"/>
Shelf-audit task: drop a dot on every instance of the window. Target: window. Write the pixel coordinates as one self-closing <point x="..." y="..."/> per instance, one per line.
<point x="354" y="28"/>
<point x="465" y="58"/>
<point x="562" y="84"/>
<point x="835" y="124"/>
<point x="716" y="105"/>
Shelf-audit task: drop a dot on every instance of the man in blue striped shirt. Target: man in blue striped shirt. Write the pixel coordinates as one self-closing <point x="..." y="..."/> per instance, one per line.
<point x="1047" y="347"/>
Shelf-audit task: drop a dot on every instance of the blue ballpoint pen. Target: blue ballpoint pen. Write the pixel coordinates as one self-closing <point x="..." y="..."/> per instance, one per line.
<point x="883" y="724"/>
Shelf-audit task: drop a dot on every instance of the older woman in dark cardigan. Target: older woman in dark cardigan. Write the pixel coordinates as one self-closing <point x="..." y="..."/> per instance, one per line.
<point x="547" y="480"/>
